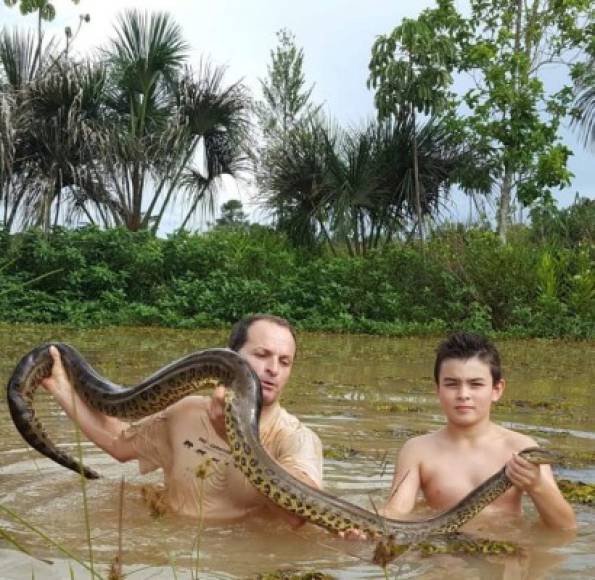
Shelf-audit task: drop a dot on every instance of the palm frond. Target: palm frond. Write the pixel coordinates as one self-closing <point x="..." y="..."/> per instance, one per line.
<point x="17" y="58"/>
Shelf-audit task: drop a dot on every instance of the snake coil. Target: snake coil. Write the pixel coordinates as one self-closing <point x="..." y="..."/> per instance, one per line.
<point x="243" y="402"/>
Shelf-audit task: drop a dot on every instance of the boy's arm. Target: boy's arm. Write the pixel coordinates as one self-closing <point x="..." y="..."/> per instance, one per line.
<point x="538" y="481"/>
<point x="406" y="484"/>
<point x="406" y="481"/>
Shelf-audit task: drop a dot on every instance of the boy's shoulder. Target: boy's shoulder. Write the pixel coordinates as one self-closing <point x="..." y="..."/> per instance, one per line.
<point x="514" y="440"/>
<point x="421" y="443"/>
<point x="438" y="441"/>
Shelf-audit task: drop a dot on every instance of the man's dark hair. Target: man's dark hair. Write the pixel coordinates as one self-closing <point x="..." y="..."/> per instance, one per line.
<point x="466" y="345"/>
<point x="239" y="331"/>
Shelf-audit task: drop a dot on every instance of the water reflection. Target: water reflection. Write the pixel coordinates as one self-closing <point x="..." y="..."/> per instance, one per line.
<point x="364" y="396"/>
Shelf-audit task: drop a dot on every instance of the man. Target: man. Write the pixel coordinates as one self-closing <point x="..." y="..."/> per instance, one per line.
<point x="187" y="440"/>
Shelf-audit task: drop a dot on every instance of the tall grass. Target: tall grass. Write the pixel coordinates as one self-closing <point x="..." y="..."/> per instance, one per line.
<point x="40" y="532"/>
<point x="83" y="482"/>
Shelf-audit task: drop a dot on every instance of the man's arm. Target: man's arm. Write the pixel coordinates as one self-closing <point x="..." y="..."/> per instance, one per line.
<point x="300" y="454"/>
<point x="102" y="430"/>
<point x="538" y="481"/>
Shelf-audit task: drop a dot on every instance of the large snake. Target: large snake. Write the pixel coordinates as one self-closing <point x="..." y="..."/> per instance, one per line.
<point x="243" y="402"/>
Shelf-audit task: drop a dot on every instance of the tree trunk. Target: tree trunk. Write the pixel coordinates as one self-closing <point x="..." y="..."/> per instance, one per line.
<point x="46" y="209"/>
<point x="4" y="194"/>
<point x="327" y="236"/>
<point x="503" y="216"/>
<point x="197" y="198"/>
<point x="12" y="214"/>
<point x="37" y="56"/>
<point x="172" y="186"/>
<point x="57" y="210"/>
<point x="416" y="180"/>
<point x="355" y="229"/>
<point x="134" y="223"/>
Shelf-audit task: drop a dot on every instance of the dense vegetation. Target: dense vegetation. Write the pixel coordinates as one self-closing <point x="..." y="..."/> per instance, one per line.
<point x="462" y="278"/>
<point x="118" y="141"/>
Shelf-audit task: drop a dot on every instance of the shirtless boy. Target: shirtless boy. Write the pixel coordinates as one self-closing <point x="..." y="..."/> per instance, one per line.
<point x="447" y="464"/>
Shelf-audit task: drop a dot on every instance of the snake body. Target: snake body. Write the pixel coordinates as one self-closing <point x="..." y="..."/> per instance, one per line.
<point x="243" y="402"/>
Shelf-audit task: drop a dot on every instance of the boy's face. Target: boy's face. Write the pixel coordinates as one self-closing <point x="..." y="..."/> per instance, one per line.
<point x="466" y="391"/>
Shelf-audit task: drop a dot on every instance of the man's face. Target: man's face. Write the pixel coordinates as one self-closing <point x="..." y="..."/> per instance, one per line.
<point x="466" y="391"/>
<point x="270" y="350"/>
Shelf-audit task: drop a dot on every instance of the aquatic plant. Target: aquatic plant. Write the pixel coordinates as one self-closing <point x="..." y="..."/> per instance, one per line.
<point x="154" y="499"/>
<point x="47" y="538"/>
<point x="294" y="574"/>
<point x="577" y="491"/>
<point x="83" y="482"/>
<point x="339" y="452"/>
<point x="203" y="471"/>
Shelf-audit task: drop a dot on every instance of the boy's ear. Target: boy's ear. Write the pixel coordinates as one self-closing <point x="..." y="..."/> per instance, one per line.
<point x="498" y="390"/>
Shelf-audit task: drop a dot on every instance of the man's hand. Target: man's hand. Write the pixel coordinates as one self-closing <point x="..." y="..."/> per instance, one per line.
<point x="57" y="383"/>
<point x="523" y="474"/>
<point x="217" y="412"/>
<point x="353" y="534"/>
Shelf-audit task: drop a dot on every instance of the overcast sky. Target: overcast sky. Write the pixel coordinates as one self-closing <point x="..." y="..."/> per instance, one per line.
<point x="336" y="35"/>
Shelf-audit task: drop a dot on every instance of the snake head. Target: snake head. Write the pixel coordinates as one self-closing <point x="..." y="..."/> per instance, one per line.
<point x="540" y="455"/>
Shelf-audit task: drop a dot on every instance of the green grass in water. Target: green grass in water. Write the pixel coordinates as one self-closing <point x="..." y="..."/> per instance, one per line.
<point x="577" y="491"/>
<point x="294" y="575"/>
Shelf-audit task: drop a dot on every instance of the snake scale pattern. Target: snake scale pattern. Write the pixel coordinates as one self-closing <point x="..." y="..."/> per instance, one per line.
<point x="243" y="402"/>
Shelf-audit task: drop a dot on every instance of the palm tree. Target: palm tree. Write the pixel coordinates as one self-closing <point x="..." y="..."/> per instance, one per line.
<point x="293" y="180"/>
<point x="411" y="70"/>
<point x="585" y="104"/>
<point x="116" y="141"/>
<point x="158" y="115"/>
<point x="375" y="195"/>
<point x="62" y="105"/>
<point x="216" y="121"/>
<point x="358" y="186"/>
<point x="144" y="61"/>
<point x="17" y="67"/>
<point x="22" y="80"/>
<point x="45" y="11"/>
<point x="119" y="140"/>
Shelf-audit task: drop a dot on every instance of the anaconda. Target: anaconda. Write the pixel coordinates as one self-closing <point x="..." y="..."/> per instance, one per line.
<point x="243" y="402"/>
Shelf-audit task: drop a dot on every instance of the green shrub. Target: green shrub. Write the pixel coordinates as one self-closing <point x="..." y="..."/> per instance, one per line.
<point x="464" y="278"/>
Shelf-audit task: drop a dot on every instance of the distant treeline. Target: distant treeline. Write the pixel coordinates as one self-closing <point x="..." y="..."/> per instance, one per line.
<point x="539" y="284"/>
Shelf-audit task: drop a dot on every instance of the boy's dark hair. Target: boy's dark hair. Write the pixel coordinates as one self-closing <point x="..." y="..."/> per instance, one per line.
<point x="239" y="331"/>
<point x="466" y="345"/>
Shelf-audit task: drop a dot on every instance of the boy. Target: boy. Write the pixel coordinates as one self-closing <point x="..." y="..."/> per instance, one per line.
<point x="447" y="464"/>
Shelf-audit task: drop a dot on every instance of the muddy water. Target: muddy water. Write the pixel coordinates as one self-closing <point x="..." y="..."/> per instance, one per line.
<point x="363" y="395"/>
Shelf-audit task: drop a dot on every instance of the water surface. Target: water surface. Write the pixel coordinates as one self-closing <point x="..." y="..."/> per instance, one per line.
<point x="363" y="395"/>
